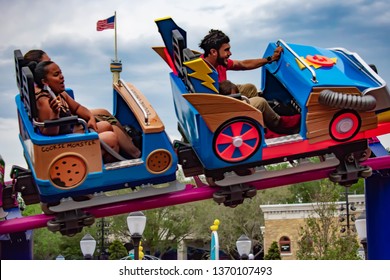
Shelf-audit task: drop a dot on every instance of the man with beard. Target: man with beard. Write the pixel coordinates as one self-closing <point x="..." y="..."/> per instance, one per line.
<point x="217" y="53"/>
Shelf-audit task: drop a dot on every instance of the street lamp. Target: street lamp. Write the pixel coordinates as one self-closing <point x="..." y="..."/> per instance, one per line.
<point x="136" y="222"/>
<point x="361" y="229"/>
<point x="88" y="245"/>
<point x="244" y="245"/>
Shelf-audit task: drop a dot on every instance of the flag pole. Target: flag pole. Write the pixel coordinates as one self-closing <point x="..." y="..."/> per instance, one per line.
<point x="116" y="65"/>
<point x="116" y="51"/>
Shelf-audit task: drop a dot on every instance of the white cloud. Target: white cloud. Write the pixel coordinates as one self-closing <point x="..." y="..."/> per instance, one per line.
<point x="10" y="147"/>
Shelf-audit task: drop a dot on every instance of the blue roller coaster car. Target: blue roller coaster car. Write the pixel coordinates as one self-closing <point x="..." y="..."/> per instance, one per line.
<point x="67" y="172"/>
<point x="341" y="100"/>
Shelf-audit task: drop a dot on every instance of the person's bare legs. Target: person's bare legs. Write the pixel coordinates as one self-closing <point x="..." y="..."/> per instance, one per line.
<point x="126" y="142"/>
<point x="104" y="126"/>
<point x="110" y="138"/>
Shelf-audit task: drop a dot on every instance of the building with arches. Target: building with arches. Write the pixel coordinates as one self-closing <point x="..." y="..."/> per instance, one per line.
<point x="283" y="221"/>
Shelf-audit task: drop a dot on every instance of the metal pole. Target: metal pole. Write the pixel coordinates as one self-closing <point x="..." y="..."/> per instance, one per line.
<point x="364" y="243"/>
<point x="136" y="240"/>
<point x="102" y="239"/>
<point x="347" y="208"/>
<point x="115" y="46"/>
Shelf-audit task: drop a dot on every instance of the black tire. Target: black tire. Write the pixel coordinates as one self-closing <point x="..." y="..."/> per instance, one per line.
<point x="366" y="173"/>
<point x="250" y="193"/>
<point x="53" y="226"/>
<point x="335" y="178"/>
<point x="219" y="198"/>
<point x="89" y="221"/>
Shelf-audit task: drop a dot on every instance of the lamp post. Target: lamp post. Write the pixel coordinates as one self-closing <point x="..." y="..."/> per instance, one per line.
<point x="347" y="217"/>
<point x="102" y="234"/>
<point x="361" y="229"/>
<point x="244" y="245"/>
<point x="88" y="245"/>
<point x="136" y="222"/>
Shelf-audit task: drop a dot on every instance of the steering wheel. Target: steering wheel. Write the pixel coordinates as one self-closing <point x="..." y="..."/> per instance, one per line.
<point x="274" y="66"/>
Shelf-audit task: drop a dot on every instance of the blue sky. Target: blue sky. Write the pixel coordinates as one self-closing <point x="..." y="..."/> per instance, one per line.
<point x="66" y="30"/>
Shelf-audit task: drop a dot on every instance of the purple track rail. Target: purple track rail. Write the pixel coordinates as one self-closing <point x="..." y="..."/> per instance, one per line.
<point x="189" y="194"/>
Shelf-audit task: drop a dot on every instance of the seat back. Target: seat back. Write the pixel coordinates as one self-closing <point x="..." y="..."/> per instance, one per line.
<point x="27" y="93"/>
<point x="207" y="79"/>
<point x="18" y="68"/>
<point x="187" y="56"/>
<point x="178" y="44"/>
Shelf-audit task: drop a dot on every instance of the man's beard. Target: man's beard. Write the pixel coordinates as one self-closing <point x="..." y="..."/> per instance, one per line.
<point x="221" y="61"/>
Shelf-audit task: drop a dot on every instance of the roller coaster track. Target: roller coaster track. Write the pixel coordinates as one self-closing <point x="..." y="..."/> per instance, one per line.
<point x="191" y="193"/>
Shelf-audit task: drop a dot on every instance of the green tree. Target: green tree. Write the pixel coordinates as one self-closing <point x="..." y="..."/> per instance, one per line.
<point x="320" y="237"/>
<point x="70" y="247"/>
<point x="165" y="228"/>
<point x="245" y="219"/>
<point x="117" y="250"/>
<point x="46" y="244"/>
<point x="273" y="252"/>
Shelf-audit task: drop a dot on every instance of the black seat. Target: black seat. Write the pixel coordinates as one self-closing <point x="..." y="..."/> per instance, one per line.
<point x="27" y="93"/>
<point x="178" y="43"/>
<point x="18" y="68"/>
<point x="181" y="54"/>
<point x="188" y="54"/>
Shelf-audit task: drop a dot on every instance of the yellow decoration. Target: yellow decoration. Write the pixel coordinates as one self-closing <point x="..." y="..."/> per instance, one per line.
<point x="214" y="227"/>
<point x="201" y="72"/>
<point x="316" y="66"/>
<point x="141" y="255"/>
<point x="140" y="251"/>
<point x="384" y="117"/>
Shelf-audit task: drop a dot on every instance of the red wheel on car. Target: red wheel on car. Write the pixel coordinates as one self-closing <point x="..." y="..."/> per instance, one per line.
<point x="237" y="140"/>
<point x="345" y="125"/>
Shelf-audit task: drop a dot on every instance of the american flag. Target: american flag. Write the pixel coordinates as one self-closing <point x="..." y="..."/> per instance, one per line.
<point x="108" y="23"/>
